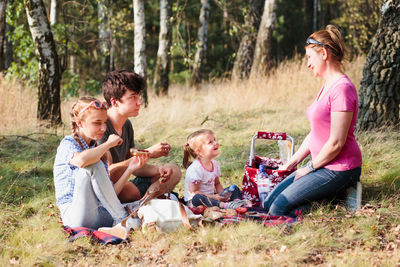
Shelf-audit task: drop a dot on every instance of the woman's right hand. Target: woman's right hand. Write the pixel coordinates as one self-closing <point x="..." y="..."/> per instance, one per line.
<point x="287" y="166"/>
<point x="114" y="140"/>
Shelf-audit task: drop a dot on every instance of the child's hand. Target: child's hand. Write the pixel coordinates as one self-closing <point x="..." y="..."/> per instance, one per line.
<point x="136" y="162"/>
<point x="165" y="174"/>
<point x="220" y="198"/>
<point x="114" y="140"/>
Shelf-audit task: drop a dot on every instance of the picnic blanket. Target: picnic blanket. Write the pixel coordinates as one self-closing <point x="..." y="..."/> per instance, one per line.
<point x="254" y="214"/>
<point x="97" y="236"/>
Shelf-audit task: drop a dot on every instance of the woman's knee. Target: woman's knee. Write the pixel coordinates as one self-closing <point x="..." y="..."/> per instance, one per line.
<point x="280" y="206"/>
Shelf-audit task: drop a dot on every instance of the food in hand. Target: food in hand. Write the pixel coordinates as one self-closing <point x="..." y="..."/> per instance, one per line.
<point x="163" y="178"/>
<point x="138" y="152"/>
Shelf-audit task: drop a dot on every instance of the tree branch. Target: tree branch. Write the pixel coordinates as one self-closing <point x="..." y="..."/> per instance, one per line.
<point x="229" y="16"/>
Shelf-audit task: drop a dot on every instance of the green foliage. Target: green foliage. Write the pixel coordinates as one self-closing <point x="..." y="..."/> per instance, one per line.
<point x="360" y="20"/>
<point x="76" y="34"/>
<point x="73" y="85"/>
<point x="25" y="65"/>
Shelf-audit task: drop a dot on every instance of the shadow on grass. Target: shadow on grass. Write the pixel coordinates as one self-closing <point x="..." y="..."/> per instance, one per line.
<point x="26" y="164"/>
<point x="383" y="187"/>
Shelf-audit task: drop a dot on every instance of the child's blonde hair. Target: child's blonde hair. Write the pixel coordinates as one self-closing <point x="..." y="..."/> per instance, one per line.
<point x="192" y="145"/>
<point x="74" y="115"/>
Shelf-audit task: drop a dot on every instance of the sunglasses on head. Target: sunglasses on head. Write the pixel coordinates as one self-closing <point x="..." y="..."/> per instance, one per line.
<point x="311" y="41"/>
<point x="96" y="104"/>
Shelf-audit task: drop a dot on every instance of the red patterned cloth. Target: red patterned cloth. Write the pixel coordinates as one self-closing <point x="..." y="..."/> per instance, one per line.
<point x="100" y="237"/>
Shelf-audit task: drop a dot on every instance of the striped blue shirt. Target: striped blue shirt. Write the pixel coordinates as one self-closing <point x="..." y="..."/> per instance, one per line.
<point x="64" y="172"/>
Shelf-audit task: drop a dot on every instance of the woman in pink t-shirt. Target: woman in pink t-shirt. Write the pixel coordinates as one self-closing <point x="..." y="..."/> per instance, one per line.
<point x="335" y="156"/>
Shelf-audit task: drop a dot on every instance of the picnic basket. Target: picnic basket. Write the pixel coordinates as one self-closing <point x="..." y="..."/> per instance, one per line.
<point x="261" y="173"/>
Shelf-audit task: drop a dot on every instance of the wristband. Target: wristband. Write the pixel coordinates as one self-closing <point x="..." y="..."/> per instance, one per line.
<point x="310" y="166"/>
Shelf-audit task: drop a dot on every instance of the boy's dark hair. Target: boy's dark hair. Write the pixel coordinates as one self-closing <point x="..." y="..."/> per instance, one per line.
<point x="117" y="82"/>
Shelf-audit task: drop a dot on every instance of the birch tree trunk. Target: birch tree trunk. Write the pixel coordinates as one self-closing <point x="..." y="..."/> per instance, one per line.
<point x="104" y="35"/>
<point x="262" y="56"/>
<point x="53" y="12"/>
<point x="245" y="54"/>
<point x="8" y="48"/>
<point x="201" y="44"/>
<point x="49" y="73"/>
<point x="140" y="64"/>
<point x="3" y="7"/>
<point x="161" y="80"/>
<point x="379" y="94"/>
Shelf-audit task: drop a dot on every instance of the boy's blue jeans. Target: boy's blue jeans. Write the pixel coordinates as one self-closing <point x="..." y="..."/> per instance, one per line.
<point x="291" y="195"/>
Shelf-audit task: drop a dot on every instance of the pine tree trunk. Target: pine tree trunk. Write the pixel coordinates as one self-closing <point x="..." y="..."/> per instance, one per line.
<point x="161" y="80"/>
<point x="53" y="12"/>
<point x="3" y="7"/>
<point x="104" y="35"/>
<point x="140" y="64"/>
<point x="245" y="54"/>
<point x="201" y="44"/>
<point x="379" y="94"/>
<point x="262" y="55"/>
<point x="49" y="73"/>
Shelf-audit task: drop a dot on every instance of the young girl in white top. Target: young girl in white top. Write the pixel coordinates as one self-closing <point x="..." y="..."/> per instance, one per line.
<point x="202" y="185"/>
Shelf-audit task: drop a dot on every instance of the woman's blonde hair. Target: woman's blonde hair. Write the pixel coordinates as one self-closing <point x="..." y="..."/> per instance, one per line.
<point x="193" y="143"/>
<point x="333" y="40"/>
<point x="74" y="115"/>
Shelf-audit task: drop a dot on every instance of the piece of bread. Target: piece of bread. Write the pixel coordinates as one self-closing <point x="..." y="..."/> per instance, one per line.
<point x="138" y="152"/>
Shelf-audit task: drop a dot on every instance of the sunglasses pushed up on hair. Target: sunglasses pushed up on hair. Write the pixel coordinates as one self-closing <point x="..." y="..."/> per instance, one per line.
<point x="311" y="41"/>
<point x="96" y="104"/>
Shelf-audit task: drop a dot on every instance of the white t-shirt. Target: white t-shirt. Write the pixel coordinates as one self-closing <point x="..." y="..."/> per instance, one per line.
<point x="197" y="174"/>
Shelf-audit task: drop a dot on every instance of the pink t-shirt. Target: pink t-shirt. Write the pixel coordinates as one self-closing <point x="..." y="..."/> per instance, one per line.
<point x="341" y="96"/>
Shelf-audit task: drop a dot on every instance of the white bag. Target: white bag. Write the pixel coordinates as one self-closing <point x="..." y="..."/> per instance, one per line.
<point x="167" y="215"/>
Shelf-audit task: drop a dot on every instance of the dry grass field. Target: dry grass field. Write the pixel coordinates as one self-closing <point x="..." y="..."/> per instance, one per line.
<point x="329" y="236"/>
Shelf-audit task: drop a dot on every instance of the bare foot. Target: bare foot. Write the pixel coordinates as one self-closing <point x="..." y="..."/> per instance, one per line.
<point x="118" y="231"/>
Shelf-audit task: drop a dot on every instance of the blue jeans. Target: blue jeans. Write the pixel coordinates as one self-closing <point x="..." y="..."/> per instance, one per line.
<point x="94" y="203"/>
<point x="290" y="196"/>
<point x="200" y="199"/>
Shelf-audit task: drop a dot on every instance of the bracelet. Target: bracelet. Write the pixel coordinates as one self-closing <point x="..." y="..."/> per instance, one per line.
<point x="310" y="166"/>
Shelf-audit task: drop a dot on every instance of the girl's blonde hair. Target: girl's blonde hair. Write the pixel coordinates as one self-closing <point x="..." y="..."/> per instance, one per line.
<point x="80" y="104"/>
<point x="332" y="38"/>
<point x="192" y="145"/>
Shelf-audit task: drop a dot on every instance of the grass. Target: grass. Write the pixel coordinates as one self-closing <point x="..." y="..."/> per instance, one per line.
<point x="31" y="235"/>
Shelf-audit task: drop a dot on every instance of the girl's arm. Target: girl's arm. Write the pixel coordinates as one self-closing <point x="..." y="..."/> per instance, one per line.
<point x="195" y="189"/>
<point x="340" y="124"/>
<point x="299" y="156"/>
<point x="218" y="186"/>
<point x="135" y="163"/>
<point x="93" y="155"/>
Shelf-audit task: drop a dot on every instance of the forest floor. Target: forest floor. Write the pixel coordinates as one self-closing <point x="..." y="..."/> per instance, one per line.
<point x="328" y="236"/>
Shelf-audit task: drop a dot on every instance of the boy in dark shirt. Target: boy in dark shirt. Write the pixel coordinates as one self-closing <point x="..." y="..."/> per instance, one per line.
<point x="121" y="90"/>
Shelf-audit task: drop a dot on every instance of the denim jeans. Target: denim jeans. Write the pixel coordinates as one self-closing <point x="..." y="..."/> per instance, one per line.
<point x="320" y="184"/>
<point x="200" y="199"/>
<point x="94" y="203"/>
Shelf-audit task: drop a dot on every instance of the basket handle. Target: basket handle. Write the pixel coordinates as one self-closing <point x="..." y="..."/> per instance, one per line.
<point x="269" y="136"/>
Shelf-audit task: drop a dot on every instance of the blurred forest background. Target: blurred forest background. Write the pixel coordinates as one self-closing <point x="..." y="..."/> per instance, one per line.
<point x="95" y="36"/>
